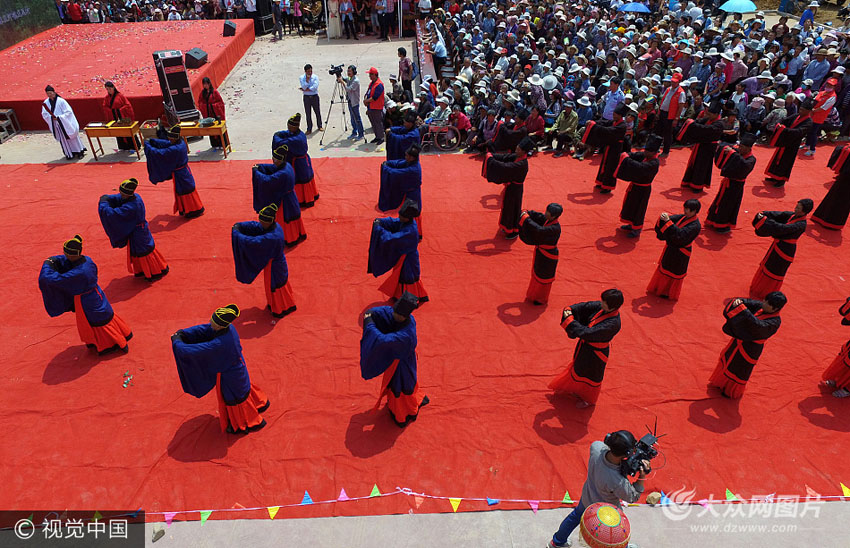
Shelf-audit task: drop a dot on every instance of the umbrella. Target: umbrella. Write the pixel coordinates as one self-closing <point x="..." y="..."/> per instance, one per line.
<point x="739" y="6"/>
<point x="635" y="7"/>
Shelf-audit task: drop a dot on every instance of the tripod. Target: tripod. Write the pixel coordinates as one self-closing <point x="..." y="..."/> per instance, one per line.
<point x="339" y="95"/>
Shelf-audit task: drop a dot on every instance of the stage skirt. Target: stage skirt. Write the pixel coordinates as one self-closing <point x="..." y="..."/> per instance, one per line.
<point x="293" y="231"/>
<point x="570" y="383"/>
<point x="404" y="407"/>
<point x="307" y="193"/>
<point x="189" y="205"/>
<point x="280" y="299"/>
<point x="393" y="287"/>
<point x="244" y="416"/>
<point x="763" y="283"/>
<point x="538" y="291"/>
<point x="663" y="285"/>
<point x="112" y="335"/>
<point x="839" y="370"/>
<point x="735" y="366"/>
<point x="151" y="266"/>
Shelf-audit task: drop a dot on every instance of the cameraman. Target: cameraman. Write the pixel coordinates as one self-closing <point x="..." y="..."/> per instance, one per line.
<point x="605" y="482"/>
<point x="352" y="91"/>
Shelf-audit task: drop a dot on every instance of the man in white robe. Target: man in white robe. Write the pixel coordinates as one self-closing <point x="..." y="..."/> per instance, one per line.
<point x="63" y="124"/>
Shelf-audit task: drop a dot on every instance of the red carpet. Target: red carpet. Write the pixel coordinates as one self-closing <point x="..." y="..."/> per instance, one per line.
<point x="76" y="438"/>
<point x="78" y="59"/>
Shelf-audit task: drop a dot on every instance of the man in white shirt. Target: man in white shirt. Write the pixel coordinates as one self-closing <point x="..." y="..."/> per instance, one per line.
<point x="424" y="9"/>
<point x="173" y="14"/>
<point x="310" y="88"/>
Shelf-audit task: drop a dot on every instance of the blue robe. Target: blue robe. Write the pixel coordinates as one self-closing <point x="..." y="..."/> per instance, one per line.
<point x="399" y="140"/>
<point x="391" y="240"/>
<point x="124" y="223"/>
<point x="202" y="353"/>
<point x="276" y="185"/>
<point x="384" y="341"/>
<point x="166" y="161"/>
<point x="399" y="180"/>
<point x="297" y="154"/>
<point x="61" y="280"/>
<point x="254" y="247"/>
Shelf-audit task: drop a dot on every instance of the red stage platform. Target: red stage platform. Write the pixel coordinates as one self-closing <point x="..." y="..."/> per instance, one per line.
<point x="77" y="439"/>
<point x="78" y="59"/>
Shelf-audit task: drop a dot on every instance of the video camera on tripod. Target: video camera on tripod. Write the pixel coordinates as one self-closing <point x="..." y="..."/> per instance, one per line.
<point x="644" y="450"/>
<point x="335" y="70"/>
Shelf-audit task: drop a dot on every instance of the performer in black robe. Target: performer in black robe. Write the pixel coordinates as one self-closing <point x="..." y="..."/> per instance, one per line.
<point x="735" y="163"/>
<point x="509" y="170"/>
<point x="787" y="136"/>
<point x="678" y="232"/>
<point x="835" y="207"/>
<point x="507" y="137"/>
<point x="594" y="324"/>
<point x="608" y="136"/>
<point x="785" y="227"/>
<point x="704" y="134"/>
<point x="543" y="231"/>
<point x="640" y="169"/>
<point x="750" y="323"/>
<point x="837" y="375"/>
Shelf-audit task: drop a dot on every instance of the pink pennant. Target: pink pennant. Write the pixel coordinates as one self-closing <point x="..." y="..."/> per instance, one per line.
<point x="418" y="501"/>
<point x="535" y="504"/>
<point x="703" y="503"/>
<point x="342" y="495"/>
<point x="812" y="493"/>
<point x="169" y="517"/>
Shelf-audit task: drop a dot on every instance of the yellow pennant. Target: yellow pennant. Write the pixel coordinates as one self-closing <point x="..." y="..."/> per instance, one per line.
<point x="455" y="504"/>
<point x="273" y="511"/>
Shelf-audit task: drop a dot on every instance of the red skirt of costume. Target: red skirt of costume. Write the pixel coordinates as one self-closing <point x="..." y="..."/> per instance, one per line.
<point x="538" y="292"/>
<point x="188" y="204"/>
<point x="570" y="383"/>
<point x="307" y="193"/>
<point x="404" y="407"/>
<point x="150" y="266"/>
<point x="763" y="284"/>
<point x="839" y="370"/>
<point x="662" y="284"/>
<point x="243" y="417"/>
<point x="722" y="378"/>
<point x="280" y="300"/>
<point x="293" y="231"/>
<point x="393" y="287"/>
<point x="114" y="334"/>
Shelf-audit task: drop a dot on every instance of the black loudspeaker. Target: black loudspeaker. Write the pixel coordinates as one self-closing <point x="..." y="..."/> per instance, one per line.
<point x="229" y="28"/>
<point x="174" y="83"/>
<point x="264" y="25"/>
<point x="195" y="57"/>
<point x="264" y="7"/>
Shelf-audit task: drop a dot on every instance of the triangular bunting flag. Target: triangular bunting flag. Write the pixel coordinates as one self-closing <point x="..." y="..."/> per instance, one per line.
<point x="731" y="496"/>
<point x="567" y="498"/>
<point x="845" y="490"/>
<point x="418" y="501"/>
<point x="492" y="502"/>
<point x="306" y="499"/>
<point x="97" y="515"/>
<point x="205" y="515"/>
<point x="455" y="504"/>
<point x="811" y="492"/>
<point x="665" y="500"/>
<point x="343" y="496"/>
<point x="273" y="511"/>
<point x="703" y="503"/>
<point x="237" y="505"/>
<point x="535" y="504"/>
<point x="375" y="491"/>
<point x="169" y="517"/>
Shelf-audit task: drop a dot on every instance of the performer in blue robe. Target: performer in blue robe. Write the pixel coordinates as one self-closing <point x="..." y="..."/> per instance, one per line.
<point x="258" y="247"/>
<point x="68" y="283"/>
<point x="296" y="141"/>
<point x="275" y="184"/>
<point x="169" y="159"/>
<point x="210" y="355"/>
<point x="123" y="218"/>
<point x="402" y="179"/>
<point x="388" y="347"/>
<point x="400" y="138"/>
<point x="394" y="247"/>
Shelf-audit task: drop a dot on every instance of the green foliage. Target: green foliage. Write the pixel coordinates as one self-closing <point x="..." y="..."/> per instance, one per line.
<point x="20" y="19"/>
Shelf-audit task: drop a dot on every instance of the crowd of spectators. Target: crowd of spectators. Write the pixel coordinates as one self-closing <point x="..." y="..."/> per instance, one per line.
<point x="129" y="11"/>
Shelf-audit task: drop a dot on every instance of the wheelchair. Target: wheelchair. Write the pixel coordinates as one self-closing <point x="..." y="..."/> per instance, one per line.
<point x="442" y="136"/>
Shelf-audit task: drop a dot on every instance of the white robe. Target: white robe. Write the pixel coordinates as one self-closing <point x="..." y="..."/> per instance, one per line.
<point x="65" y="127"/>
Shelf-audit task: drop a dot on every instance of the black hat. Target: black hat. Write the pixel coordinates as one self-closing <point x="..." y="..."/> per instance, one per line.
<point x="776" y="299"/>
<point x="714" y="107"/>
<point x="173" y="131"/>
<point x="621" y="109"/>
<point x="225" y="315"/>
<point x="409" y="209"/>
<point x="526" y="144"/>
<point x="268" y="213"/>
<point x="412" y="150"/>
<point x="406" y="304"/>
<point x="748" y="139"/>
<point x="74" y="246"/>
<point x="555" y="209"/>
<point x="808" y="104"/>
<point x="280" y="152"/>
<point x="128" y="186"/>
<point x="653" y="143"/>
<point x="295" y="120"/>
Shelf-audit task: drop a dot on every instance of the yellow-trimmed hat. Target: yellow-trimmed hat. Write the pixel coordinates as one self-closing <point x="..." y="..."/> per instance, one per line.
<point x="173" y="131"/>
<point x="74" y="246"/>
<point x="280" y="152"/>
<point x="295" y="119"/>
<point x="128" y="186"/>
<point x="268" y="213"/>
<point x="225" y="315"/>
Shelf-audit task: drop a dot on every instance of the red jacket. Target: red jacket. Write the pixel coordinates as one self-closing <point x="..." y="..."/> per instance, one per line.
<point x="75" y="12"/>
<point x="119" y="103"/>
<point x="211" y="107"/>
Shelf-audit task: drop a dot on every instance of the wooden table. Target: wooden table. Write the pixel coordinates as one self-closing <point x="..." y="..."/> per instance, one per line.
<point x="218" y="129"/>
<point x="113" y="129"/>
